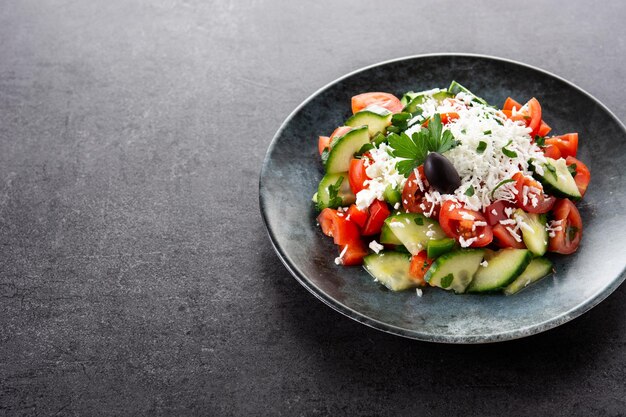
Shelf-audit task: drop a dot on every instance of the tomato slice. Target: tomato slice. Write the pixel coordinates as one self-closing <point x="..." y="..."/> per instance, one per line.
<point x="445" y="118"/>
<point x="503" y="238"/>
<point x="386" y="100"/>
<point x="354" y="253"/>
<point x="544" y="129"/>
<point x="567" y="144"/>
<point x="334" y="224"/>
<point x="464" y="225"/>
<point x="378" y="212"/>
<point x="530" y="196"/>
<point x="551" y="151"/>
<point x="340" y="131"/>
<point x="322" y="143"/>
<point x="357" y="216"/>
<point x="534" y="110"/>
<point x="582" y="177"/>
<point x="567" y="239"/>
<point x="357" y="174"/>
<point x="413" y="197"/>
<point x="494" y="212"/>
<point x="420" y="264"/>
<point x="510" y="103"/>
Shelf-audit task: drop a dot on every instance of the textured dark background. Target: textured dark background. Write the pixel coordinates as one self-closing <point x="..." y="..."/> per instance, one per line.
<point x="136" y="277"/>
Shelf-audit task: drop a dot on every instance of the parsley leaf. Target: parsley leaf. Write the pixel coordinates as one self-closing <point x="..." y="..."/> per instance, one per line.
<point x="333" y="194"/>
<point x="413" y="150"/>
<point x="508" y="152"/>
<point x="540" y="140"/>
<point x="446" y="281"/>
<point x="470" y="191"/>
<point x="482" y="145"/>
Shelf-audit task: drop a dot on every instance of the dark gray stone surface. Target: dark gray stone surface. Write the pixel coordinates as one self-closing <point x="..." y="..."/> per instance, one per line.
<point x="136" y="277"/>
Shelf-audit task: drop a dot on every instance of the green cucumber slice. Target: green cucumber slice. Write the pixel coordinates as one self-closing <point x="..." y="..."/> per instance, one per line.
<point x="414" y="230"/>
<point x="344" y="194"/>
<point x="502" y="268"/>
<point x="455" y="270"/>
<point x="390" y="269"/>
<point x="438" y="247"/>
<point x="535" y="234"/>
<point x="344" y="148"/>
<point x="388" y="237"/>
<point x="455" y="88"/>
<point x="392" y="195"/>
<point x="557" y="180"/>
<point x="537" y="269"/>
<point x="376" y="120"/>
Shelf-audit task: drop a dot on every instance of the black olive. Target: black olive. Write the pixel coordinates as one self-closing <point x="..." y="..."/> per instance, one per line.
<point x="441" y="174"/>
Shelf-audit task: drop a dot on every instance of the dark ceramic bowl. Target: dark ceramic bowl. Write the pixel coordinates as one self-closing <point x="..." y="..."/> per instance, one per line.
<point x="292" y="170"/>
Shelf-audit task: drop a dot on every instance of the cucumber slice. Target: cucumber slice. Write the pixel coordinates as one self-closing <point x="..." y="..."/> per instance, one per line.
<point x="375" y="118"/>
<point x="535" y="236"/>
<point x="344" y="193"/>
<point x="502" y="269"/>
<point x="557" y="180"/>
<point x="388" y="237"/>
<point x="438" y="247"/>
<point x="455" y="88"/>
<point x="537" y="269"/>
<point x="390" y="269"/>
<point x="455" y="270"/>
<point x="442" y="95"/>
<point x="414" y="230"/>
<point x="344" y="148"/>
<point x="418" y="98"/>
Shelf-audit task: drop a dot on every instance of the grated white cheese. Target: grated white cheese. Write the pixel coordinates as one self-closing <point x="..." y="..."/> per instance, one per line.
<point x="419" y="292"/>
<point x="375" y="246"/>
<point x="339" y="259"/>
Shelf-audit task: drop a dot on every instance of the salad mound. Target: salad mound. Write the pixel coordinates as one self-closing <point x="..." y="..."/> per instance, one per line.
<point x="439" y="188"/>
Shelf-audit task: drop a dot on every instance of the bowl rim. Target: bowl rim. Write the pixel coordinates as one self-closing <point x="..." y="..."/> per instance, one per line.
<point x="353" y="314"/>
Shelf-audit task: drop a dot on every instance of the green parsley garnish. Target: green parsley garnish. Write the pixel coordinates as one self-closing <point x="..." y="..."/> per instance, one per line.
<point x="413" y="150"/>
<point x="487" y="132"/>
<point x="540" y="140"/>
<point x="333" y="194"/>
<point x="508" y="152"/>
<point x="365" y="148"/>
<point x="482" y="145"/>
<point x="419" y="221"/>
<point x="470" y="191"/>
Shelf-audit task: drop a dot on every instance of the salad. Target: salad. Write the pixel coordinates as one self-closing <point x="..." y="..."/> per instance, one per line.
<point x="441" y="189"/>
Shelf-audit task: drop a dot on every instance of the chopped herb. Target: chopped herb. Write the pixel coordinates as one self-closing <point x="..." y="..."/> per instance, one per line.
<point x="419" y="221"/>
<point x="463" y="131"/>
<point x="540" y="140"/>
<point x="365" y="148"/>
<point x="447" y="280"/>
<point x="425" y="265"/>
<point x="333" y="194"/>
<point x="378" y="139"/>
<point x="499" y="122"/>
<point x="393" y="129"/>
<point x="572" y="169"/>
<point x="527" y="117"/>
<point x="487" y="132"/>
<point x="508" y="152"/>
<point x="413" y="150"/>
<point x="401" y="117"/>
<point x="482" y="145"/>
<point x="470" y="191"/>
<point x="500" y="184"/>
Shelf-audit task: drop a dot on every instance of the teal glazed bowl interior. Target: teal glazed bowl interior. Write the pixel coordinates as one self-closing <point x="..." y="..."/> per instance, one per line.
<point x="292" y="170"/>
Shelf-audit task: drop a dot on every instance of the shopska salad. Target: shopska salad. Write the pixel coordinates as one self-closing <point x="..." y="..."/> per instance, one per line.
<point x="442" y="189"/>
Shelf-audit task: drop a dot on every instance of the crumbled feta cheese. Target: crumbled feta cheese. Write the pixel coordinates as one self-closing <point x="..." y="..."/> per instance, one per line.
<point x="419" y="292"/>
<point x="375" y="246"/>
<point x="339" y="259"/>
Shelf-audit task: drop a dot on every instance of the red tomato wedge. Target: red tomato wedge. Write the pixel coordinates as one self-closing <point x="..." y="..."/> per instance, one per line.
<point x="340" y="131"/>
<point x="509" y="103"/>
<point x="530" y="196"/>
<point x="544" y="129"/>
<point x="323" y="143"/>
<point x="534" y="110"/>
<point x="464" y="224"/>
<point x="386" y="100"/>
<point x="354" y="253"/>
<point x="357" y="174"/>
<point x="503" y="238"/>
<point x="494" y="212"/>
<point x="334" y="224"/>
<point x="567" y="239"/>
<point x="582" y="177"/>
<point x="445" y="118"/>
<point x="567" y="144"/>
<point x="378" y="212"/>
<point x="357" y="216"/>
<point x="413" y="197"/>
<point x="420" y="264"/>
<point x="551" y="151"/>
